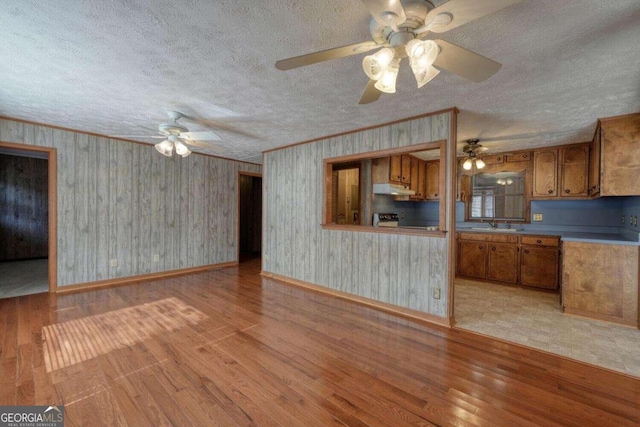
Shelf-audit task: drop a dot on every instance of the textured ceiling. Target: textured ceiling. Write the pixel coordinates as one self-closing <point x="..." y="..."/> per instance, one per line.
<point x="107" y="66"/>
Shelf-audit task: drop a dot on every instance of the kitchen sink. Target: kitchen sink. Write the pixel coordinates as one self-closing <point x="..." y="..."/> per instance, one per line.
<point x="495" y="230"/>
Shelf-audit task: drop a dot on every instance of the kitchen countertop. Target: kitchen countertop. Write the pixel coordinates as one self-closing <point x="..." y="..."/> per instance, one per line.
<point x="568" y="236"/>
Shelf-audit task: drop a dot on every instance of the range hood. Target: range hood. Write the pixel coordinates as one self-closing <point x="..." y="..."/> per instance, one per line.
<point x="393" y="189"/>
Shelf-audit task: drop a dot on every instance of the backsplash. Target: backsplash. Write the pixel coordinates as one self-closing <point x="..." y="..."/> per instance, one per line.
<point x="603" y="215"/>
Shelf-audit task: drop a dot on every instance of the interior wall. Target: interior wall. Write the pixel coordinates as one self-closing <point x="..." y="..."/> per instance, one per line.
<point x="23" y="208"/>
<point x="120" y="200"/>
<point x="398" y="269"/>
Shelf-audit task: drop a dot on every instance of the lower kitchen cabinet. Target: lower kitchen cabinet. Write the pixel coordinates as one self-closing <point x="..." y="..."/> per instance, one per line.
<point x="539" y="267"/>
<point x="516" y="259"/>
<point x="471" y="259"/>
<point x="502" y="262"/>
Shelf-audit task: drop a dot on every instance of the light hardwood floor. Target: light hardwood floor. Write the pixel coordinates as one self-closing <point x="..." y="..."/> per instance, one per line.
<point x="229" y="348"/>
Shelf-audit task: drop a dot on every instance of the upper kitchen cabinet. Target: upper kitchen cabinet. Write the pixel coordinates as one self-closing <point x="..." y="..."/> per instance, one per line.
<point x="395" y="168"/>
<point x="574" y="170"/>
<point x="561" y="172"/>
<point x="615" y="157"/>
<point x="405" y="176"/>
<point x="432" y="180"/>
<point x="545" y="174"/>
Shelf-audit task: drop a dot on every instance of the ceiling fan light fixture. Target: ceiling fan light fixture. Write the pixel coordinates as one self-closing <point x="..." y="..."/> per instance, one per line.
<point x="387" y="83"/>
<point x="181" y="149"/>
<point x="165" y="148"/>
<point x="375" y="65"/>
<point x="468" y="164"/>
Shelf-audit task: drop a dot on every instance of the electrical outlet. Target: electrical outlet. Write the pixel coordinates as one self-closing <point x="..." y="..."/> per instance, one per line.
<point x="635" y="220"/>
<point x="156" y="258"/>
<point x="113" y="263"/>
<point x="622" y="219"/>
<point x="436" y="293"/>
<point x="266" y="258"/>
<point x="537" y="217"/>
<point x="401" y="215"/>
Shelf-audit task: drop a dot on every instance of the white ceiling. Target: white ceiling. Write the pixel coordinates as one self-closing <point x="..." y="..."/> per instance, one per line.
<point x="94" y="65"/>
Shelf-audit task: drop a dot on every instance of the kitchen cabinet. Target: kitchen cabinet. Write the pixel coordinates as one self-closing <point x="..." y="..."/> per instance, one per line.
<point x="574" y="171"/>
<point x="432" y="180"/>
<point x="395" y="168"/>
<point x="383" y="170"/>
<point x="405" y="175"/>
<point x="600" y="281"/>
<point x="415" y="180"/>
<point x="615" y="157"/>
<point x="516" y="259"/>
<point x="493" y="159"/>
<point x="488" y="257"/>
<point x="472" y="258"/>
<point x="422" y="180"/>
<point x="502" y="262"/>
<point x="561" y="172"/>
<point x="545" y="174"/>
<point x="539" y="261"/>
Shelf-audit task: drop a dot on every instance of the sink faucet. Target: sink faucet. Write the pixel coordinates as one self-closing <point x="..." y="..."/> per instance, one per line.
<point x="492" y="224"/>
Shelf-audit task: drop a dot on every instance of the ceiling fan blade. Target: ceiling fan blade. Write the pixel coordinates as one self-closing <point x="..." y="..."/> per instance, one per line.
<point x="206" y="145"/>
<point x="370" y="93"/>
<point x="138" y="136"/>
<point x="465" y="63"/>
<point x="325" y="55"/>
<point x="386" y="12"/>
<point x="201" y="136"/>
<point x="462" y="11"/>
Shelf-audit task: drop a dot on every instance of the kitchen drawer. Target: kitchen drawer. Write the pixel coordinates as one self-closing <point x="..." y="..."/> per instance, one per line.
<point x="519" y="157"/>
<point x="498" y="238"/>
<point x="493" y="160"/>
<point x="540" y="240"/>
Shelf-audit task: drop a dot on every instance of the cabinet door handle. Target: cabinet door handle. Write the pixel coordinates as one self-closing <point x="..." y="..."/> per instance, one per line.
<point x="524" y="156"/>
<point x="493" y="248"/>
<point x="526" y="251"/>
<point x="480" y="247"/>
<point x="435" y="195"/>
<point x="550" y="191"/>
<point x="538" y="241"/>
<point x="567" y="191"/>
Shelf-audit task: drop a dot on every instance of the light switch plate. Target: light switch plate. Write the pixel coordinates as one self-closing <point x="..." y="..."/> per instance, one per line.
<point x="537" y="217"/>
<point x="113" y="263"/>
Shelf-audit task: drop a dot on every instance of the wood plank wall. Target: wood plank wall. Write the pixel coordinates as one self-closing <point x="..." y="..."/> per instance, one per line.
<point x="23" y="208"/>
<point x="397" y="269"/>
<point x="121" y="200"/>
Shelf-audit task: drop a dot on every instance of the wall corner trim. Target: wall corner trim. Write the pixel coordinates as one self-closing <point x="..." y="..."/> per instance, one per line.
<point x="130" y="280"/>
<point x="378" y="305"/>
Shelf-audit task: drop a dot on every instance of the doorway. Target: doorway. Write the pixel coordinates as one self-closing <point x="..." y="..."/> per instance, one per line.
<point x="249" y="216"/>
<point x="27" y="220"/>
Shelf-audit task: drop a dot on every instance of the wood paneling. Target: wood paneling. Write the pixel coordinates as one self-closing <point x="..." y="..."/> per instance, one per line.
<point x="376" y="264"/>
<point x="118" y="200"/>
<point x="229" y="348"/>
<point x="23" y="207"/>
<point x="601" y="281"/>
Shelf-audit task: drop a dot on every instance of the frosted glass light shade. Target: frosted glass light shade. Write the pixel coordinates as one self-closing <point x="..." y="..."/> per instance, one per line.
<point x="479" y="163"/>
<point x="468" y="164"/>
<point x="375" y="65"/>
<point x="424" y="76"/>
<point x="422" y="53"/>
<point x="181" y="149"/>
<point x="165" y="148"/>
<point x="387" y="83"/>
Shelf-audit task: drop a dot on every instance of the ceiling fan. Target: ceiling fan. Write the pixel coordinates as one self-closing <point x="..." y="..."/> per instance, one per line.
<point x="397" y="28"/>
<point x="176" y="137"/>
<point x="472" y="149"/>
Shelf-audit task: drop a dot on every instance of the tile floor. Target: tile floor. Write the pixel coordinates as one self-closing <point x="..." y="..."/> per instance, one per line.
<point x="535" y="319"/>
<point x="23" y="277"/>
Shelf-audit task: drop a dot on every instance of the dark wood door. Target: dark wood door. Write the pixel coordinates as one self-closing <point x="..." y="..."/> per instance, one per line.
<point x="471" y="259"/>
<point x="539" y="267"/>
<point x="502" y="262"/>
